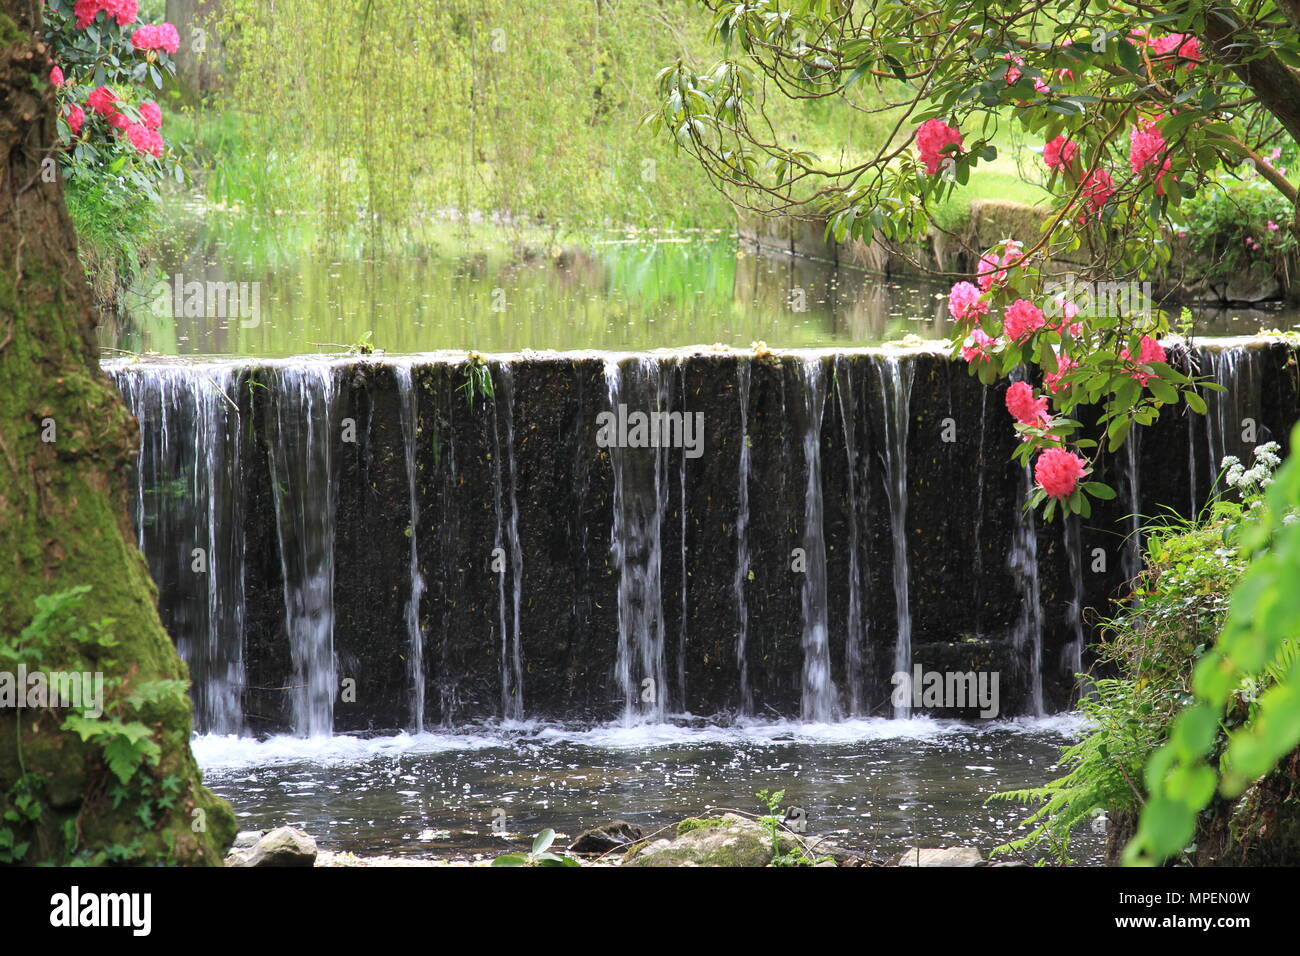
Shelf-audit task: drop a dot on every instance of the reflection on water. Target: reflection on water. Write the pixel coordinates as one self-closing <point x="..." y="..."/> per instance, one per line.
<point x="889" y="784"/>
<point x="622" y="293"/>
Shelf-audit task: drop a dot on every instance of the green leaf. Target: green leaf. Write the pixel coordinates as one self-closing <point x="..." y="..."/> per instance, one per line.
<point x="543" y="841"/>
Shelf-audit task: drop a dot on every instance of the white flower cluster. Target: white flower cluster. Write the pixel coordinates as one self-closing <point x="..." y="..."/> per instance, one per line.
<point x="1252" y="481"/>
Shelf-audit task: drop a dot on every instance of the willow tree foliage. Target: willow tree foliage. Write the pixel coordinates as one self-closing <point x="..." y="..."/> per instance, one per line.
<point x="389" y="112"/>
<point x="1136" y="107"/>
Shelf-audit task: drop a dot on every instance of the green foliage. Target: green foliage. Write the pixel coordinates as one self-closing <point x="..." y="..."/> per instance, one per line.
<point x="1238" y="224"/>
<point x="112" y="187"/>
<point x="120" y="734"/>
<point x="478" y="379"/>
<point x="539" y="855"/>
<point x="1151" y="121"/>
<point x="1231" y="684"/>
<point x="1158" y="646"/>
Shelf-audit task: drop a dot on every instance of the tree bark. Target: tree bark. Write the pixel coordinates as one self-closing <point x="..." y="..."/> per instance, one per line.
<point x="66" y="446"/>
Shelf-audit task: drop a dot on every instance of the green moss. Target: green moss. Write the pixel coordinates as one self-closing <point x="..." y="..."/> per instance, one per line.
<point x="697" y="823"/>
<point x="9" y="32"/>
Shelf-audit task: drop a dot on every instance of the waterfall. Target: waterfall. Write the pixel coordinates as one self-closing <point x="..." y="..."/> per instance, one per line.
<point x="415" y="634"/>
<point x="512" y="667"/>
<point x="1233" y="413"/>
<point x="636" y="545"/>
<point x="819" y="701"/>
<point x="1023" y="562"/>
<point x="190" y="517"/>
<point x="854" y="639"/>
<point x="1133" y="544"/>
<point x="302" y="436"/>
<point x="1073" y="652"/>
<point x="895" y="394"/>
<point x="743" y="375"/>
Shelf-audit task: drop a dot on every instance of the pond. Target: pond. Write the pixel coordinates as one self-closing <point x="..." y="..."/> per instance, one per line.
<point x="620" y="293"/>
<point x="886" y="784"/>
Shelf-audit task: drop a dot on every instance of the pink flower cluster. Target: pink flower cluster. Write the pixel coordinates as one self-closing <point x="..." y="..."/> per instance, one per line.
<point x="1022" y="319"/>
<point x="1098" y="188"/>
<point x="162" y="36"/>
<point x="56" y="76"/>
<point x="121" y="11"/>
<point x="1146" y="146"/>
<point x="965" y="303"/>
<point x="1052" y="380"/>
<point x="1059" y="153"/>
<point x="933" y="138"/>
<point x="1149" y="351"/>
<point x="1024" y="408"/>
<point x="144" y="135"/>
<point x="979" y="352"/>
<point x="1058" y="471"/>
<point x="1177" y="46"/>
<point x="992" y="270"/>
<point x="76" y="118"/>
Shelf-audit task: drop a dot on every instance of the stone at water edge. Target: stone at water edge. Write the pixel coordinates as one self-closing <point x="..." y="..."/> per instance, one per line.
<point x="247" y="839"/>
<point x="737" y="841"/>
<point x="283" y="846"/>
<point x="945" y="856"/>
<point x="610" y="836"/>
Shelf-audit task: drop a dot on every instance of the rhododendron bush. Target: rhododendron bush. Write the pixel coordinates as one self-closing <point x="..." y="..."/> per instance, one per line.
<point x="108" y="69"/>
<point x="1132" y="108"/>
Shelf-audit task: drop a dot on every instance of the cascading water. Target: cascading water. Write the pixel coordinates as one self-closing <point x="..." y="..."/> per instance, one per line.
<point x="512" y="666"/>
<point x="743" y="376"/>
<point x="819" y="701"/>
<point x="1072" y="660"/>
<point x="1023" y="562"/>
<point x="855" y="638"/>
<point x="190" y="520"/>
<point x="302" y="436"/>
<point x="1133" y="543"/>
<point x="636" y="544"/>
<point x="1232" y="428"/>
<point x="895" y="382"/>
<point x="414" y="632"/>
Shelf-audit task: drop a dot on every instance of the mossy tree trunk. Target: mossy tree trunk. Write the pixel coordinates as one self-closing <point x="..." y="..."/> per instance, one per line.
<point x="66" y="444"/>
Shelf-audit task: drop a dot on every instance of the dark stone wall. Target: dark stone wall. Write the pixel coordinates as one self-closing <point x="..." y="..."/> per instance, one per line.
<point x="964" y="498"/>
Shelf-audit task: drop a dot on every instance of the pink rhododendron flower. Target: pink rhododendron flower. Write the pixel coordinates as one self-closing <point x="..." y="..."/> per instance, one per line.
<point x="118" y="121"/>
<point x="1098" y="187"/>
<point x="964" y="303"/>
<point x="1272" y="226"/>
<point x="933" y="137"/>
<point x="1149" y="351"/>
<point x="1024" y="408"/>
<point x="145" y="139"/>
<point x="151" y="115"/>
<point x="120" y="11"/>
<point x="56" y="76"/>
<point x="1040" y="86"/>
<point x="162" y="36"/>
<point x="1068" y="311"/>
<point x="1013" y="73"/>
<point x="1178" y="46"/>
<point x="76" y="118"/>
<point x="978" y="351"/>
<point x="1052" y="380"/>
<point x="103" y="101"/>
<point x="1146" y="145"/>
<point x="1058" y="471"/>
<point x="1059" y="152"/>
<point x="991" y="271"/>
<point x="1023" y="319"/>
